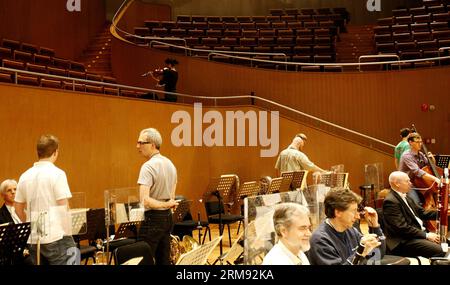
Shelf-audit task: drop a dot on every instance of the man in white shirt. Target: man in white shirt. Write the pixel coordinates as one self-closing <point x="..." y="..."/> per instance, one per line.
<point x="292" y="226"/>
<point x="8" y="192"/>
<point x="43" y="191"/>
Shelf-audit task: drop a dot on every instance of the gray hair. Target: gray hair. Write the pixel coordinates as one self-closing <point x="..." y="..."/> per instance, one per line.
<point x="395" y="177"/>
<point x="5" y="185"/>
<point x="285" y="213"/>
<point x="153" y="136"/>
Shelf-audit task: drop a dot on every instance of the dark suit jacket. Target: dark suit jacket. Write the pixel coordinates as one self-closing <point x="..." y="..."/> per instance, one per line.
<point x="399" y="223"/>
<point x="5" y="216"/>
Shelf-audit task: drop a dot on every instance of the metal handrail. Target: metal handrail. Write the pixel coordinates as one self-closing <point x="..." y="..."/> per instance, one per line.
<point x="387" y="55"/>
<point x="118" y="86"/>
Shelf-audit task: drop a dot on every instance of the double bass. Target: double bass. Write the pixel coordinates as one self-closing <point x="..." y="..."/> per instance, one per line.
<point x="429" y="188"/>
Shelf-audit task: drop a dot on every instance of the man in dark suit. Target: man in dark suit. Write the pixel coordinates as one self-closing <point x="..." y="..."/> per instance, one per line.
<point x="404" y="228"/>
<point x="8" y="192"/>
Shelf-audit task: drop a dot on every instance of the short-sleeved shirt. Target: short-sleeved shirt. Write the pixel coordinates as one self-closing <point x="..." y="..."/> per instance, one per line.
<point x="291" y="159"/>
<point x="412" y="164"/>
<point x="40" y="187"/>
<point x="160" y="175"/>
<point x="400" y="149"/>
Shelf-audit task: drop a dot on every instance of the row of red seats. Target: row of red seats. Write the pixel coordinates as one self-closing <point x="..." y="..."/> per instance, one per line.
<point x="408" y="20"/>
<point x="185" y="27"/>
<point x="29" y="66"/>
<point x="66" y="84"/>
<point x="27" y="47"/>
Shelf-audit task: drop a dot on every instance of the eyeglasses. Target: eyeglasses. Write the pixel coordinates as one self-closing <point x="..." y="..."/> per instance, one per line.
<point x="141" y="143"/>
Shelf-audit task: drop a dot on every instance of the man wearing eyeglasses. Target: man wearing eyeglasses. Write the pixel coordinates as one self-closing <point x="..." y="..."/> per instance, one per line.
<point x="413" y="161"/>
<point x="157" y="182"/>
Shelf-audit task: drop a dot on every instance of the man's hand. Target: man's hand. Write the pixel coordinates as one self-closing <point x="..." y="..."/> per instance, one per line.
<point x="370" y="242"/>
<point x="433" y="237"/>
<point x="371" y="217"/>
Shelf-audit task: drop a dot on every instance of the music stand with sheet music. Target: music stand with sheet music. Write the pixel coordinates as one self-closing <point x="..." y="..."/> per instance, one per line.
<point x="13" y="240"/>
<point x="298" y="178"/>
<point x="220" y="188"/>
<point x="278" y="185"/>
<point x="443" y="161"/>
<point x="199" y="256"/>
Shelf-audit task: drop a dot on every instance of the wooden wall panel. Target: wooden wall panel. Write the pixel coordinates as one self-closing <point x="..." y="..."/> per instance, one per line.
<point x="98" y="136"/>
<point x="48" y="23"/>
<point x="377" y="104"/>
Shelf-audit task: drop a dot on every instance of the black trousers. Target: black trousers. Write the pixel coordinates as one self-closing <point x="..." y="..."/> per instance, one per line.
<point x="156" y="230"/>
<point x="419" y="247"/>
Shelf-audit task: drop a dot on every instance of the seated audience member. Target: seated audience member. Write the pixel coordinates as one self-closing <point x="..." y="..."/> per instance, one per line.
<point x="403" y="219"/>
<point x="336" y="241"/>
<point x="292" y="226"/>
<point x="7" y="212"/>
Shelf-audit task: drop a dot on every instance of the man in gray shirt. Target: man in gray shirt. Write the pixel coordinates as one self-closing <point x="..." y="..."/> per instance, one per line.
<point x="157" y="182"/>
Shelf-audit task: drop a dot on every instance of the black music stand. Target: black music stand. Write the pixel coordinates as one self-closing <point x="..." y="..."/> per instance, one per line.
<point x="443" y="161"/>
<point x="128" y="229"/>
<point x="298" y="178"/>
<point x="220" y="188"/>
<point x="13" y="240"/>
<point x="125" y="234"/>
<point x="279" y="184"/>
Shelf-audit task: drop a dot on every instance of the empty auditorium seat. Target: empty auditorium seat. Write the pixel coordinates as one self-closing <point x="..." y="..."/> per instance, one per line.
<point x="77" y="66"/>
<point x="109" y="79"/>
<point x="111" y="91"/>
<point x="13" y="64"/>
<point x="5" y="53"/>
<point x="93" y="77"/>
<point x="28" y="80"/>
<point x="61" y="63"/>
<point x="30" y="48"/>
<point x="47" y="51"/>
<point x="94" y="88"/>
<point x="23" y="56"/>
<point x="5" y="77"/>
<point x="43" y="59"/>
<point x="70" y="85"/>
<point x="51" y="83"/>
<point x="56" y="71"/>
<point x="11" y="44"/>
<point x="36" y="68"/>
<point x="76" y="74"/>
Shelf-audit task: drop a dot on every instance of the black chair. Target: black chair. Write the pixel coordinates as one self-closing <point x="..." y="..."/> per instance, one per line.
<point x="184" y="224"/>
<point x="138" y="249"/>
<point x="212" y="211"/>
<point x="95" y="222"/>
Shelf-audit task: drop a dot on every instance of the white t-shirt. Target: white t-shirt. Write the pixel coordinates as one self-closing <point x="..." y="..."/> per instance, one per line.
<point x="40" y="187"/>
<point x="280" y="255"/>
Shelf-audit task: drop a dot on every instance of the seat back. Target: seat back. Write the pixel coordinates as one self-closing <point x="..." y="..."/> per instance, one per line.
<point x="213" y="208"/>
<point x="139" y="249"/>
